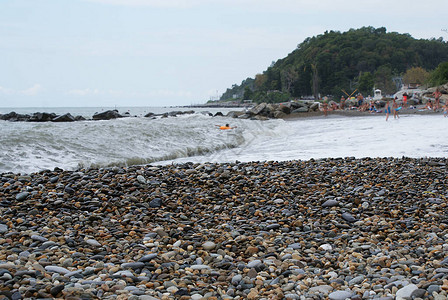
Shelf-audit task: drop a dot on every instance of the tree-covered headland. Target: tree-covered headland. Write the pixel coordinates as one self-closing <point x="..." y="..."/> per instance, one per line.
<point x="359" y="59"/>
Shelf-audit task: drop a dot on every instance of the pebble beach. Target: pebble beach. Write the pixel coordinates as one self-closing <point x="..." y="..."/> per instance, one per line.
<point x="341" y="228"/>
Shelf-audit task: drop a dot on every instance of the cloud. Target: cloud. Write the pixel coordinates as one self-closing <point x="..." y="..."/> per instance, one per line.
<point x="32" y="91"/>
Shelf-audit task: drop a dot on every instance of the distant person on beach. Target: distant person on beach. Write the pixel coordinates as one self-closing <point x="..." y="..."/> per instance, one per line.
<point x="325" y="107"/>
<point x="360" y="100"/>
<point x="429" y="104"/>
<point x="372" y="108"/>
<point x="342" y="103"/>
<point x="405" y="99"/>
<point x="226" y="127"/>
<point x="445" y="109"/>
<point x="387" y="109"/>
<point x="437" y="95"/>
<point x="395" y="108"/>
<point x="334" y="106"/>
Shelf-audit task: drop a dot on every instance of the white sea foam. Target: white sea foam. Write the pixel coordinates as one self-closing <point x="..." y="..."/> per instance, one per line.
<point x="336" y="136"/>
<point x="29" y="147"/>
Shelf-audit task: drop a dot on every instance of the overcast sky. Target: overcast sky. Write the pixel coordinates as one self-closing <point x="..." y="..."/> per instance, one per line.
<point x="69" y="53"/>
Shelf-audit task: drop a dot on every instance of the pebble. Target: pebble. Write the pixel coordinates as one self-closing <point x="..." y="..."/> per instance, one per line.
<point x="406" y="292"/>
<point x="292" y="230"/>
<point x="93" y="242"/>
<point x="22" y="196"/>
<point x="340" y="295"/>
<point x="208" y="245"/>
<point x="321" y="289"/>
<point x="57" y="269"/>
<point x="3" y="228"/>
<point x="39" y="238"/>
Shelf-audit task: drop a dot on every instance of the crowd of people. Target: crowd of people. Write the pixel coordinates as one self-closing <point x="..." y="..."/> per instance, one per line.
<point x="377" y="106"/>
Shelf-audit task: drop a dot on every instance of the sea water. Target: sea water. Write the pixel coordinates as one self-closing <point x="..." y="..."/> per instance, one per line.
<point x="27" y="147"/>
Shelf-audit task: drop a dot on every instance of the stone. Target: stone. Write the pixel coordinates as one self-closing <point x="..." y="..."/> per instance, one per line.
<point x="64" y="118"/>
<point x="155" y="203"/>
<point x="330" y="203"/>
<point x="321" y="289"/>
<point x="36" y="237"/>
<point x="348" y="217"/>
<point x="340" y="295"/>
<point x="405" y="292"/>
<point x="295" y="246"/>
<point x="107" y="115"/>
<point x="133" y="265"/>
<point x="55" y="290"/>
<point x="258" y="109"/>
<point x="3" y="228"/>
<point x="209" y="245"/>
<point x="200" y="267"/>
<point x="93" y="243"/>
<point x="57" y="269"/>
<point x="22" y="196"/>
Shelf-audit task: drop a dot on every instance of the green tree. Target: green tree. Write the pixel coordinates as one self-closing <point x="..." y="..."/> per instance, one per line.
<point x="334" y="60"/>
<point x="260" y="81"/>
<point x="416" y="75"/>
<point x="440" y="75"/>
<point x="248" y="93"/>
<point x="366" y="83"/>
<point x="383" y="80"/>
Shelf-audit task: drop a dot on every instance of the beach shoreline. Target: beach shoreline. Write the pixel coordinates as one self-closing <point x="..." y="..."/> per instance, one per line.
<point x="330" y="228"/>
<point x="419" y="110"/>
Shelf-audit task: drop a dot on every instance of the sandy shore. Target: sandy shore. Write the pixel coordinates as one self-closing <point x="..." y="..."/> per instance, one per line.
<point x="325" y="229"/>
<point x="355" y="113"/>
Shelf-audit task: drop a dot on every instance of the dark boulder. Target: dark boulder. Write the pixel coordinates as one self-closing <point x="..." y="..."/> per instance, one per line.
<point x="64" y="118"/>
<point x="42" y="117"/>
<point x="15" y="117"/>
<point x="107" y="115"/>
<point x="258" y="109"/>
<point x="174" y="113"/>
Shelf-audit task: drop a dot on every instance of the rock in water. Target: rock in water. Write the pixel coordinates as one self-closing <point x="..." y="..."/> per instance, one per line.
<point x="107" y="115"/>
<point x="64" y="118"/>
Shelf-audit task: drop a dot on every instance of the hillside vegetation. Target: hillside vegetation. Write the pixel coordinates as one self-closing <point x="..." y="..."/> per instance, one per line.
<point x="328" y="64"/>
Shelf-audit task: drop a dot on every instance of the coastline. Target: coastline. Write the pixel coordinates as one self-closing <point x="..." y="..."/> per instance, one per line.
<point x="330" y="228"/>
<point x="356" y="113"/>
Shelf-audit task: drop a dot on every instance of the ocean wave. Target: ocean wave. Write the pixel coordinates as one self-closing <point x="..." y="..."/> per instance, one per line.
<point x="28" y="147"/>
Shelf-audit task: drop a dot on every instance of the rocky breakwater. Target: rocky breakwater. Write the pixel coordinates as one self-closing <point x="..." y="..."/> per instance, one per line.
<point x="174" y="113"/>
<point x="52" y="117"/>
<point x="326" y="229"/>
<point x="429" y="93"/>
<point x="104" y="115"/>
<point x="40" y="117"/>
<point x="264" y="111"/>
